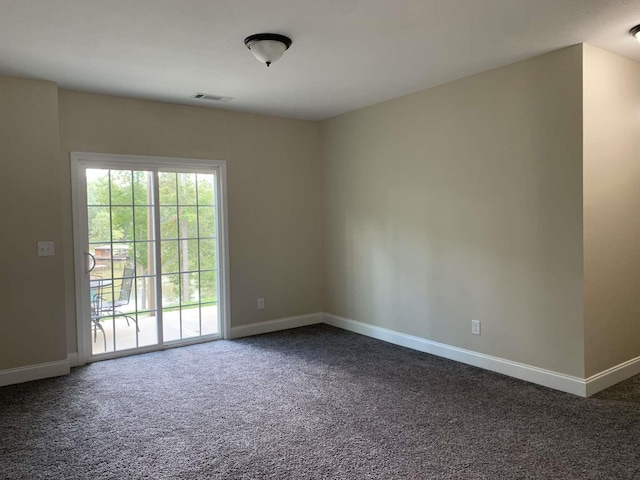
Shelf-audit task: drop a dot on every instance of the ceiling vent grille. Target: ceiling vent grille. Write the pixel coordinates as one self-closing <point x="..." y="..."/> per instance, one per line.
<point x="212" y="98"/>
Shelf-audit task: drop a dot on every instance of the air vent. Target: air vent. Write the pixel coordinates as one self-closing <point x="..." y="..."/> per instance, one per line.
<point x="212" y="98"/>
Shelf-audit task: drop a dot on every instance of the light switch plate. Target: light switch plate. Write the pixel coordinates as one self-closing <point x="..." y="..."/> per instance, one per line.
<point x="45" y="249"/>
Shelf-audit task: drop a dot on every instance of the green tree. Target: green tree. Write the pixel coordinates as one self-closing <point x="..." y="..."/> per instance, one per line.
<point x="120" y="212"/>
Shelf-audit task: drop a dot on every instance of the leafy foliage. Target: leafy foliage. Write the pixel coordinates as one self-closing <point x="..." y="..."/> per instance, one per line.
<point x="120" y="210"/>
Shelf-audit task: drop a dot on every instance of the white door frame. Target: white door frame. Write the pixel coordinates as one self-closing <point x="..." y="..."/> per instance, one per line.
<point x="83" y="160"/>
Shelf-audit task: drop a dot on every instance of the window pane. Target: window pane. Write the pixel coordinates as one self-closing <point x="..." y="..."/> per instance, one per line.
<point x="170" y="290"/>
<point x="144" y="223"/>
<point x="208" y="286"/>
<point x="122" y="255"/>
<point x="142" y="188"/>
<point x="189" y="288"/>
<point x="207" y="221"/>
<point x="144" y="255"/>
<point x="102" y="254"/>
<point x="167" y="187"/>
<point x="188" y="222"/>
<point x="121" y="190"/>
<point x="170" y="263"/>
<point x="186" y="189"/>
<point x="168" y="222"/>
<point x="99" y="224"/>
<point x="209" y="318"/>
<point x="188" y="255"/>
<point x="122" y="223"/>
<point x="206" y="191"/>
<point x="148" y="334"/>
<point x="97" y="186"/>
<point x="208" y="254"/>
<point x="171" y="324"/>
<point x="145" y="293"/>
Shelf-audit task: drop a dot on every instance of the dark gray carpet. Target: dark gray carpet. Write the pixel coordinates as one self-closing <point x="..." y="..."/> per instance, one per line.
<point x="310" y="403"/>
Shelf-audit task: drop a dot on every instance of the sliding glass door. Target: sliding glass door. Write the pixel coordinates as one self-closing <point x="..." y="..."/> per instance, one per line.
<point x="121" y="260"/>
<point x="188" y="254"/>
<point x="150" y="253"/>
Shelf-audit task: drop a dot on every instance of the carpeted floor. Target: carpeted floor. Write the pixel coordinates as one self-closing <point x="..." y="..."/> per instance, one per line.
<point x="310" y="403"/>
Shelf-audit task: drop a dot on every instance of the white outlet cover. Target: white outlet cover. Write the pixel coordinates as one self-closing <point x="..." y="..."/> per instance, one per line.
<point x="475" y="327"/>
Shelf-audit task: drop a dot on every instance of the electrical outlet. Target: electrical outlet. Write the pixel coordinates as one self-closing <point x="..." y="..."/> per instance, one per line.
<point x="261" y="304"/>
<point x="475" y="327"/>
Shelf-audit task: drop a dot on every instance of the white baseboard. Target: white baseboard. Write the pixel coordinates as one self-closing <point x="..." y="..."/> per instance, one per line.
<point x="611" y="376"/>
<point x="74" y="359"/>
<point x="275" y="325"/>
<point x="540" y="376"/>
<point x="33" y="372"/>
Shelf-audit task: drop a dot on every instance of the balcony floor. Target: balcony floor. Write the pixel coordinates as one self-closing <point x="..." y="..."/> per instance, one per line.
<point x="125" y="335"/>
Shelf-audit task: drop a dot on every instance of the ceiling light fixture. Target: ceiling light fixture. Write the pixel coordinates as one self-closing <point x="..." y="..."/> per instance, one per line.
<point x="635" y="31"/>
<point x="267" y="47"/>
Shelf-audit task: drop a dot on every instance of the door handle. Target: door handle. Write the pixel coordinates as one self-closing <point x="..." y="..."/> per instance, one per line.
<point x="93" y="264"/>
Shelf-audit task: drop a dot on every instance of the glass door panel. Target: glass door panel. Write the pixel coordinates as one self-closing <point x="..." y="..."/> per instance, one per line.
<point x="188" y="244"/>
<point x="120" y="211"/>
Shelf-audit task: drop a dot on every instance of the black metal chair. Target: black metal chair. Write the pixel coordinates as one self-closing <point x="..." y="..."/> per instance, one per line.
<point x="95" y="320"/>
<point x="96" y="287"/>
<point x="106" y="309"/>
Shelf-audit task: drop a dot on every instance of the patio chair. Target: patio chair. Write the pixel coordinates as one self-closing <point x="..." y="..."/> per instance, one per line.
<point x="96" y="285"/>
<point x="95" y="320"/>
<point x="121" y="298"/>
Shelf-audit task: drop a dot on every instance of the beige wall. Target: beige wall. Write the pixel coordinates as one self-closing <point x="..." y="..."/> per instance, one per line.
<point x="32" y="328"/>
<point x="273" y="190"/>
<point x="464" y="202"/>
<point x="611" y="209"/>
<point x="460" y="202"/>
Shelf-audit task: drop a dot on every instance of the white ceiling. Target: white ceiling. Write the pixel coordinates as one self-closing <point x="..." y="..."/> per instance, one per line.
<point x="346" y="54"/>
